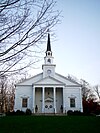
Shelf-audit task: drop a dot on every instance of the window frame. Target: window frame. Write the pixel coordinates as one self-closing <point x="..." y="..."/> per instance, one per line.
<point x="72" y="103"/>
<point x="24" y="103"/>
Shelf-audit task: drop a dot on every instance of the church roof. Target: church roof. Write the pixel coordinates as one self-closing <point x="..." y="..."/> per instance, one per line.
<point x="70" y="81"/>
<point x="57" y="80"/>
<point x="48" y="43"/>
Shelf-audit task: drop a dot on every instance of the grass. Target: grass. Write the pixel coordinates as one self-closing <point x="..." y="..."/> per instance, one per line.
<point x="49" y="124"/>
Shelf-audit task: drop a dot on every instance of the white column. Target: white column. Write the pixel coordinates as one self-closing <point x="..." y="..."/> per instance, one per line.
<point x="54" y="92"/>
<point x="81" y="105"/>
<point x="64" y="104"/>
<point x="43" y="97"/>
<point x="33" y="99"/>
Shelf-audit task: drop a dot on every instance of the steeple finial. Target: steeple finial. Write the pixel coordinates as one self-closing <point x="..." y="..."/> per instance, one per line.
<point x="48" y="43"/>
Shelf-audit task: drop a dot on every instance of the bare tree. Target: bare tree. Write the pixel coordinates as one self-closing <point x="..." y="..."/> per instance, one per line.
<point x="23" y="25"/>
<point x="3" y="88"/>
<point x="9" y="99"/>
<point x="87" y="91"/>
<point x="7" y="90"/>
<point x="97" y="91"/>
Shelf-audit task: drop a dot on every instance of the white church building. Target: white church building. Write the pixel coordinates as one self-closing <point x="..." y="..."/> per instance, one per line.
<point x="48" y="92"/>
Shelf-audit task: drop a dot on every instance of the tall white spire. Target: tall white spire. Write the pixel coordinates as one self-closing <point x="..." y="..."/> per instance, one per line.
<point x="48" y="66"/>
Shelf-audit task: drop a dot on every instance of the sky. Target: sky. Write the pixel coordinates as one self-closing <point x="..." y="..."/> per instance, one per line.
<point x="76" y="50"/>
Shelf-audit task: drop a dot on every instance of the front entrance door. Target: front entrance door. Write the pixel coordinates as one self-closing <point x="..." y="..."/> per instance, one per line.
<point x="49" y="107"/>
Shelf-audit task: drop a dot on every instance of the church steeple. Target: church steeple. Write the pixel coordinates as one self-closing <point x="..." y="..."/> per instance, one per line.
<point x="48" y="66"/>
<point x="48" y="51"/>
<point x="48" y="43"/>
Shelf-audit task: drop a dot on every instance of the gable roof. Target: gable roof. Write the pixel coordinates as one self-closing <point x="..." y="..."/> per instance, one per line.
<point x="66" y="80"/>
<point x="59" y="80"/>
<point x="31" y="80"/>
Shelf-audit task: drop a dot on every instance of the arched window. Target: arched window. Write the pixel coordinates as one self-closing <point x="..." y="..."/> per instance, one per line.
<point x="49" y="60"/>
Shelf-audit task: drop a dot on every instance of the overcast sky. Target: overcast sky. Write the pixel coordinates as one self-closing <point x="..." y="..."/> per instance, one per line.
<point x="76" y="50"/>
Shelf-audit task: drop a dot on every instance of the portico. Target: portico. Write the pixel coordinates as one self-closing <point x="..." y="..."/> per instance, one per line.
<point x="45" y="99"/>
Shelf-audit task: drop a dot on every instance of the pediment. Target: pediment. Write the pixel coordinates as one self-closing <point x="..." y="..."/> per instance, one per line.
<point x="49" y="99"/>
<point x="49" y="81"/>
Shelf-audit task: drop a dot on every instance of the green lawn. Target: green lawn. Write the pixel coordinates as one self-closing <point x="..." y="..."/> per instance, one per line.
<point x="50" y="124"/>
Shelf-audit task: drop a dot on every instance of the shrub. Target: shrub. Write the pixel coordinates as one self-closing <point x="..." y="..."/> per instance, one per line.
<point x="10" y="113"/>
<point x="75" y="112"/>
<point x="18" y="112"/>
<point x="28" y="112"/>
<point x="69" y="112"/>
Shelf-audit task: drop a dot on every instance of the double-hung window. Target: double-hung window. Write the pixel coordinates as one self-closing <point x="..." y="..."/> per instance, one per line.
<point x="72" y="102"/>
<point x="24" y="102"/>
